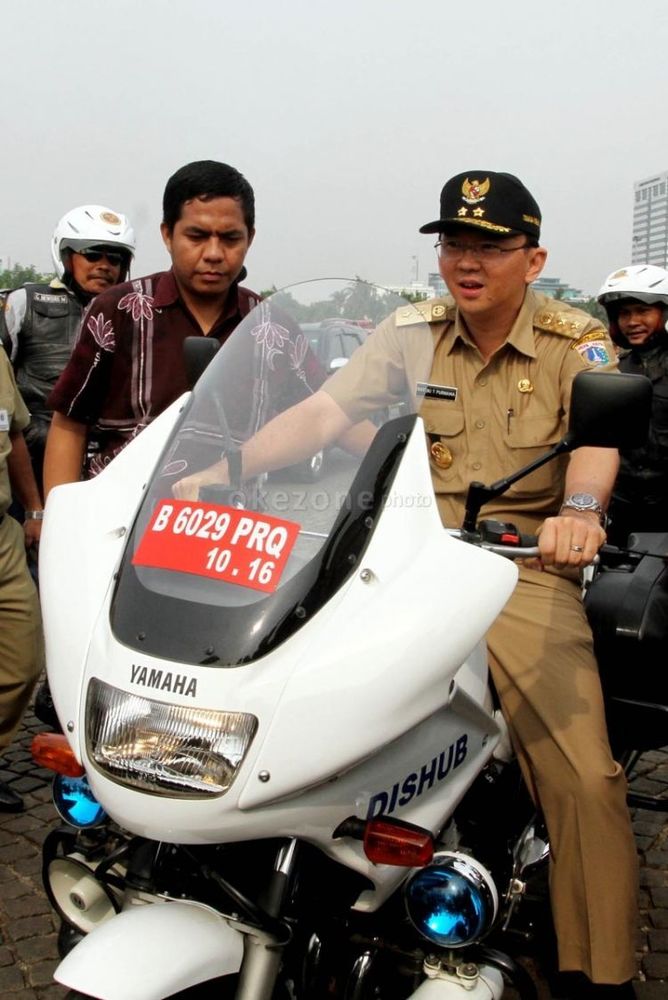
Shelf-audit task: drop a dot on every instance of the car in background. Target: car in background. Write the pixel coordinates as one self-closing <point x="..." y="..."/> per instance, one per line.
<point x="333" y="341"/>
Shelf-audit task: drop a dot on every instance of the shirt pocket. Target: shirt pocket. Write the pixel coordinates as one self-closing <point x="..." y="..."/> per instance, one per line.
<point x="51" y="310"/>
<point x="446" y="442"/>
<point x="527" y="440"/>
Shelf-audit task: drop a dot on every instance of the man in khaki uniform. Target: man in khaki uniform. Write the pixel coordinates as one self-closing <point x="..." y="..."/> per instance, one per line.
<point x="492" y="375"/>
<point x="21" y="644"/>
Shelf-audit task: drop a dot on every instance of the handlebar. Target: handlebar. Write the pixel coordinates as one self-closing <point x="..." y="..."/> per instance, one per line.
<point x="500" y="537"/>
<point x="505" y="540"/>
<point x="511" y="550"/>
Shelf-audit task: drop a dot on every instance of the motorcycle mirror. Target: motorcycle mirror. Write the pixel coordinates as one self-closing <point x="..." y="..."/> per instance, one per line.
<point x="609" y="411"/>
<point x="198" y="352"/>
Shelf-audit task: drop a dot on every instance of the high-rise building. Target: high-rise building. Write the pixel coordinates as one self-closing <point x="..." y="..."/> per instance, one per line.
<point x="650" y="221"/>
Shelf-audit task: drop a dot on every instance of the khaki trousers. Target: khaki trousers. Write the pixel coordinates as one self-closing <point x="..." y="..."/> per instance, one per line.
<point x="542" y="662"/>
<point x="21" y="641"/>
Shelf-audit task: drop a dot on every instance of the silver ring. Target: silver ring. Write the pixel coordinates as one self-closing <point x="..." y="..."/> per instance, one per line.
<point x="577" y="548"/>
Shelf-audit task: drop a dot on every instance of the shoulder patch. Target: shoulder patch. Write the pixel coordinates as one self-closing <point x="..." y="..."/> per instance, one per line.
<point x="594" y="347"/>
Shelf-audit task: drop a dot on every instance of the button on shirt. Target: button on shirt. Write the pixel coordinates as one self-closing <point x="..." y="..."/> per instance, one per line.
<point x="506" y="411"/>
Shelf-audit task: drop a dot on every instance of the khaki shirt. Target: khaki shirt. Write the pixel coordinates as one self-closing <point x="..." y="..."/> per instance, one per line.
<point x="14" y="417"/>
<point x="483" y="420"/>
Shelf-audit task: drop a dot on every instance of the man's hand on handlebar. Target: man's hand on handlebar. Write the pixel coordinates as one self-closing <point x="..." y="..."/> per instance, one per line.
<point x="572" y="538"/>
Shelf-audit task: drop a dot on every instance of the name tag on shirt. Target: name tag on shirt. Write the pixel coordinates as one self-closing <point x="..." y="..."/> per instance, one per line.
<point x="4" y="420"/>
<point x="430" y="391"/>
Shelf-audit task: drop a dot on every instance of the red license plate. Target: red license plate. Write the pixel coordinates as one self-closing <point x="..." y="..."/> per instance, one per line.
<point x="224" y="543"/>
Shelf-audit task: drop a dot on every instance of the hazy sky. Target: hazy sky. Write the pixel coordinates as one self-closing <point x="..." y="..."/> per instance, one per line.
<point x="346" y="117"/>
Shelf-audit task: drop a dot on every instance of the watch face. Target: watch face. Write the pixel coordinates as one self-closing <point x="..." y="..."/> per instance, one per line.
<point x="584" y="500"/>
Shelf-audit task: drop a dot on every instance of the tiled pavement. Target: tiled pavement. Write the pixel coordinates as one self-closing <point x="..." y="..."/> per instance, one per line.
<point x="28" y="953"/>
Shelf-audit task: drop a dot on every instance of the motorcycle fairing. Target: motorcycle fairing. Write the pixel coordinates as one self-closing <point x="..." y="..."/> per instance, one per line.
<point x="149" y="952"/>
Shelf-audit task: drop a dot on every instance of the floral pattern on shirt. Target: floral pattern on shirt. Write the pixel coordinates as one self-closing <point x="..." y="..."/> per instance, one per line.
<point x="297" y="353"/>
<point x="274" y="340"/>
<point x="270" y="336"/>
<point x="138" y="304"/>
<point x="102" y="331"/>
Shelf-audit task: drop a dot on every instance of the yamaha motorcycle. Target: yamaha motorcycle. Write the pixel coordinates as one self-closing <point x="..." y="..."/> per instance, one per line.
<point x="281" y="772"/>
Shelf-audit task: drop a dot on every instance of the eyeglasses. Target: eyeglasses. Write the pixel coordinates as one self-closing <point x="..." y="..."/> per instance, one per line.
<point x="114" y="257"/>
<point x="455" y="249"/>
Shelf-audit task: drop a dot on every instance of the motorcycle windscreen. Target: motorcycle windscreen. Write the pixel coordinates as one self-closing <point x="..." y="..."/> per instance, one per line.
<point x="220" y="567"/>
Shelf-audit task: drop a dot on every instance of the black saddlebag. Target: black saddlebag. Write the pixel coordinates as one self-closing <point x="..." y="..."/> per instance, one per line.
<point x="627" y="606"/>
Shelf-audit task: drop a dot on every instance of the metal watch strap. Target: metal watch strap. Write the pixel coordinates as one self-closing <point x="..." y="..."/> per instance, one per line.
<point x="586" y="503"/>
<point x="34" y="515"/>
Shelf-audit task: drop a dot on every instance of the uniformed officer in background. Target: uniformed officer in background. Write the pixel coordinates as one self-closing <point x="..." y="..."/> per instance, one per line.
<point x="21" y="644"/>
<point x="500" y="363"/>
<point x="92" y="247"/>
<point x="636" y="301"/>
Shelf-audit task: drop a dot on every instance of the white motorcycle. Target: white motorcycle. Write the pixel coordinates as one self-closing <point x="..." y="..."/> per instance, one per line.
<point x="271" y="728"/>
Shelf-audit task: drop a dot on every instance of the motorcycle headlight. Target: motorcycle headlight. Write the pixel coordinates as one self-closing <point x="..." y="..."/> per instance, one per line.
<point x="166" y="749"/>
<point x="452" y="902"/>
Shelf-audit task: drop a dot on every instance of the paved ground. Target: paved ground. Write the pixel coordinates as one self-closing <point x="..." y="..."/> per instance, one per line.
<point x="28" y="953"/>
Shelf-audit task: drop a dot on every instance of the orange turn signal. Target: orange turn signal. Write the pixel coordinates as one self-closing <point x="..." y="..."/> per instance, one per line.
<point x="391" y="842"/>
<point x="53" y="751"/>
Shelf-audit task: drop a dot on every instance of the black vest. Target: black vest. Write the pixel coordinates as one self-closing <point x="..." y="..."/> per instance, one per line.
<point x="45" y="343"/>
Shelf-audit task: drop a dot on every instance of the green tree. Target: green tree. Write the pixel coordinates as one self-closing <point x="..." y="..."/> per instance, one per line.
<point x="595" y="309"/>
<point x="413" y="296"/>
<point x="19" y="275"/>
<point x="360" y="300"/>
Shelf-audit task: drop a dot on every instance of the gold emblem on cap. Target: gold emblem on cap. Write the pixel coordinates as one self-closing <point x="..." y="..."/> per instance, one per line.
<point x="441" y="454"/>
<point x="478" y="212"/>
<point x="525" y="385"/>
<point x="475" y="191"/>
<point x="462" y="211"/>
<point x="438" y="311"/>
<point x="111" y="218"/>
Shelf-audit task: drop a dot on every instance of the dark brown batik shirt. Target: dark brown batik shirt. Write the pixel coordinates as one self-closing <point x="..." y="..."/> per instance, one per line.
<point x="127" y="364"/>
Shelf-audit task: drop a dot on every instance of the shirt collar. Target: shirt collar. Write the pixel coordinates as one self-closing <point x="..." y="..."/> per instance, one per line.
<point x="521" y="336"/>
<point x="167" y="292"/>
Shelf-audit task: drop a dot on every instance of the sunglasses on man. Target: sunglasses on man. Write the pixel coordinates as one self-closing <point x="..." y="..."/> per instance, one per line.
<point x="113" y="257"/>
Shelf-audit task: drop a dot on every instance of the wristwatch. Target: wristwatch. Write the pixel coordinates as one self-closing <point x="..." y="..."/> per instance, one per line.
<point x="585" y="502"/>
<point x="33" y="515"/>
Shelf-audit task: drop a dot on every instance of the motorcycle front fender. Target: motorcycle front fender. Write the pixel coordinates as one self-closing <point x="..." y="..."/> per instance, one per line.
<point x="488" y="986"/>
<point x="151" y="951"/>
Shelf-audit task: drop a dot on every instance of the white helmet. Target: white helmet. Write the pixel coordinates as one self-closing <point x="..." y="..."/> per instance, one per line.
<point x="642" y="282"/>
<point x="90" y="226"/>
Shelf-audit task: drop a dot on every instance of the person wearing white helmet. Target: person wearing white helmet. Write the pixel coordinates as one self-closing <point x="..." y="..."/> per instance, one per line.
<point x="92" y="247"/>
<point x="636" y="301"/>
